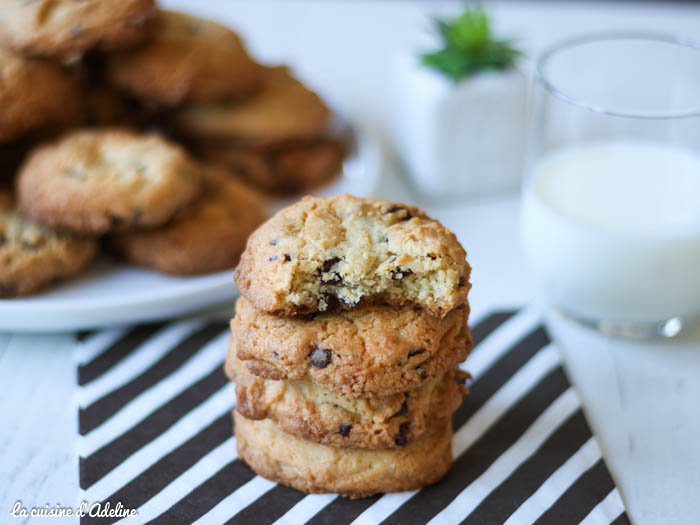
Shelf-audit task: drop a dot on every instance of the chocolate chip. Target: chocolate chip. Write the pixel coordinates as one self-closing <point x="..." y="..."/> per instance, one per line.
<point x="399" y="274"/>
<point x="403" y="410"/>
<point x="461" y="283"/>
<point x="421" y="373"/>
<point x="335" y="278"/>
<point x="461" y="307"/>
<point x="332" y="302"/>
<point x="273" y="242"/>
<point x="327" y="265"/>
<point x="401" y="439"/>
<point x="273" y="258"/>
<point x="395" y="209"/>
<point x="320" y="357"/>
<point x="344" y="430"/>
<point x="287" y="257"/>
<point x="417" y="351"/>
<point x="384" y="239"/>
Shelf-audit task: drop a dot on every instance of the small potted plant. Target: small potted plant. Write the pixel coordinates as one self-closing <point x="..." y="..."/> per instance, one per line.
<point x="460" y="111"/>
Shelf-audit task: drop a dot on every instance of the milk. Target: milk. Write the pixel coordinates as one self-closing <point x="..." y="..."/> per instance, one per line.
<point x="612" y="231"/>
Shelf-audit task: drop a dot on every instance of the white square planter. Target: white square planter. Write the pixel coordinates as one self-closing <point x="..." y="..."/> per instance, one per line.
<point x="459" y="139"/>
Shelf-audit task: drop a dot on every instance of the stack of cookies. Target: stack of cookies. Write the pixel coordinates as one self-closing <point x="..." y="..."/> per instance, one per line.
<point x="345" y="346"/>
<point x="195" y="79"/>
<point x="152" y="130"/>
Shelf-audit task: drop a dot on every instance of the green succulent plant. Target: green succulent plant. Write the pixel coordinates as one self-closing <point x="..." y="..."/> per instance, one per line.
<point x="469" y="46"/>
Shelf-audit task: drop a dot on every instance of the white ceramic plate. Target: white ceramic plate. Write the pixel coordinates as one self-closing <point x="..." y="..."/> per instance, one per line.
<point x="109" y="294"/>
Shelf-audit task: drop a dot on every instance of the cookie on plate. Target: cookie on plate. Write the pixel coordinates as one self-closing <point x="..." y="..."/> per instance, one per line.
<point x="283" y="110"/>
<point x="33" y="256"/>
<point x="344" y="251"/>
<point x="189" y="60"/>
<point x="206" y="236"/>
<point x="65" y="29"/>
<point x="310" y="412"/>
<point x="353" y="473"/>
<point x="95" y="181"/>
<point x="377" y="350"/>
<point x="34" y="93"/>
<point x="291" y="169"/>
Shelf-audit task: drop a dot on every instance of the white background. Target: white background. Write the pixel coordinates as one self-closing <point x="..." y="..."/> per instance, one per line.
<point x="643" y="399"/>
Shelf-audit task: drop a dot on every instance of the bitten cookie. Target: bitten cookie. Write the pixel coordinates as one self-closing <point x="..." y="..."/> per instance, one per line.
<point x="189" y="60"/>
<point x="33" y="256"/>
<point x="306" y="410"/>
<point x="353" y="473"/>
<point x="207" y="236"/>
<point x="290" y="169"/>
<point x="65" y="29"/>
<point x="283" y="110"/>
<point x="107" y="180"/>
<point x="339" y="252"/>
<point x="34" y="93"/>
<point x="377" y="350"/>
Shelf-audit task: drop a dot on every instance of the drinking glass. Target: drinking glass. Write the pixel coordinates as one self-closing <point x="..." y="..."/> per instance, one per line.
<point x="611" y="200"/>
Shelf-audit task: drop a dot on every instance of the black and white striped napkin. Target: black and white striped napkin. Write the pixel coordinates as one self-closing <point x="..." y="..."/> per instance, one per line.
<point x="156" y="436"/>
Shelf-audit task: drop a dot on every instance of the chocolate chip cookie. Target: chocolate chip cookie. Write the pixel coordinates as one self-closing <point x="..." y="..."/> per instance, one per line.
<point x="33" y="256"/>
<point x="65" y="29"/>
<point x="290" y="169"/>
<point x="95" y="181"/>
<point x="189" y="60"/>
<point x="207" y="236"/>
<point x="310" y="412"/>
<point x="376" y="350"/>
<point x="283" y="110"/>
<point x="343" y="252"/>
<point x="353" y="473"/>
<point x="34" y="93"/>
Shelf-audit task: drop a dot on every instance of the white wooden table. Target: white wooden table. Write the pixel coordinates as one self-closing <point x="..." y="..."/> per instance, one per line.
<point x="642" y="399"/>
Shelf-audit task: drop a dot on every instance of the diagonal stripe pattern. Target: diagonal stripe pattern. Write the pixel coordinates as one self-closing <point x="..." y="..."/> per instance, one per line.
<point x="155" y="434"/>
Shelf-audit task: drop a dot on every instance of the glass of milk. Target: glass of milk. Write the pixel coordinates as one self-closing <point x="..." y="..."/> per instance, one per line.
<point x="611" y="201"/>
